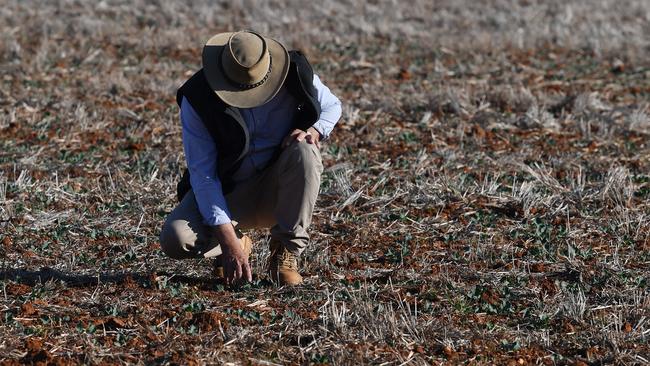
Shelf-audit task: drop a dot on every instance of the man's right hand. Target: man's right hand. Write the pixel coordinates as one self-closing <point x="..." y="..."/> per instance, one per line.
<point x="235" y="261"/>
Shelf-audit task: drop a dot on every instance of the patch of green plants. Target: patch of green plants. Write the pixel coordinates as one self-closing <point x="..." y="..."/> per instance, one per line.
<point x="320" y="359"/>
<point x="399" y="251"/>
<point x="54" y="320"/>
<point x="510" y="346"/>
<point x="72" y="157"/>
<point x="246" y="314"/>
<point x="90" y="328"/>
<point x="491" y="300"/>
<point x="121" y="338"/>
<point x="408" y="136"/>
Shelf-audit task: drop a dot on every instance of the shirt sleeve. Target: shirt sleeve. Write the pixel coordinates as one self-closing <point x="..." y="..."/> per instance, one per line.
<point x="201" y="158"/>
<point x="330" y="109"/>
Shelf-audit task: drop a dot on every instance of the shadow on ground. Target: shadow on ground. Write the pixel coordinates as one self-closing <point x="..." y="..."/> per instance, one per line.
<point x="145" y="280"/>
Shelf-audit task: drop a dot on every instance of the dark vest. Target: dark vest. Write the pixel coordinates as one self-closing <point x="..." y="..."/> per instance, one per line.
<point x="226" y="125"/>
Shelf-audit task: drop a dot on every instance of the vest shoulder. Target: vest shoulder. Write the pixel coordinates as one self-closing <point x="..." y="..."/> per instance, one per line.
<point x="299" y="59"/>
<point x="196" y="80"/>
<point x="197" y="90"/>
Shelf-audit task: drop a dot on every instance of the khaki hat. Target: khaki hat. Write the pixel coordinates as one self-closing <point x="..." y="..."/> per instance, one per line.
<point x="245" y="69"/>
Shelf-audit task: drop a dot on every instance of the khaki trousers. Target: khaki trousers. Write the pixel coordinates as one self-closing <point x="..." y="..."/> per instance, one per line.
<point x="281" y="197"/>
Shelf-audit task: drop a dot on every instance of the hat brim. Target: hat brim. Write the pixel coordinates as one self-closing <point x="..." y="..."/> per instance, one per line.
<point x="234" y="95"/>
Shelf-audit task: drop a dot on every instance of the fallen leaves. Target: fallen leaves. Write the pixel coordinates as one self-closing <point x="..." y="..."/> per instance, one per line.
<point x="28" y="309"/>
<point x="433" y="146"/>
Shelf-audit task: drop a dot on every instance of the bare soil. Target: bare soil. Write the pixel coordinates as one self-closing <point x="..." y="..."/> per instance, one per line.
<point x="485" y="198"/>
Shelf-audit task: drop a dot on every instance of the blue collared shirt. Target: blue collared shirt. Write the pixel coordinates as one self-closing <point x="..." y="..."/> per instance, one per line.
<point x="268" y="125"/>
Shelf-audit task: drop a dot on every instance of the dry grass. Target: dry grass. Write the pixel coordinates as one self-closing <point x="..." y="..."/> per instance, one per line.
<point x="485" y="199"/>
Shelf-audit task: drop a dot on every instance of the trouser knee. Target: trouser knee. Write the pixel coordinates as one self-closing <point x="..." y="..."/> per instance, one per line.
<point x="304" y="156"/>
<point x="172" y="239"/>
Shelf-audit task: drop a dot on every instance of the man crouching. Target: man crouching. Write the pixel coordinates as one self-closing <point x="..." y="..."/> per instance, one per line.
<point x="253" y="118"/>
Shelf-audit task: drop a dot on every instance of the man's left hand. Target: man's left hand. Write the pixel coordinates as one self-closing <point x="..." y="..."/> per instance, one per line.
<point x="311" y="136"/>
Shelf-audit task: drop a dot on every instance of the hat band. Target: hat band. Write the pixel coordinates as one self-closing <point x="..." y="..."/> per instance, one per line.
<point x="250" y="86"/>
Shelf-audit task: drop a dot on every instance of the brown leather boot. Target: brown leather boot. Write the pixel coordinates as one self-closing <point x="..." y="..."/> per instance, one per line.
<point x="247" y="246"/>
<point x="283" y="265"/>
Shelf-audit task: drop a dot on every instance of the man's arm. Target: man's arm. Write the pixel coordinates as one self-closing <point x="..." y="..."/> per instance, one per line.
<point x="234" y="259"/>
<point x="329" y="116"/>
<point x="201" y="157"/>
<point x="330" y="109"/>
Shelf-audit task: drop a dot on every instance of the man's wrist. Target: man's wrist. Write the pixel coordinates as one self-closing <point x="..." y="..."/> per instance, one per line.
<point x="319" y="135"/>
<point x="226" y="235"/>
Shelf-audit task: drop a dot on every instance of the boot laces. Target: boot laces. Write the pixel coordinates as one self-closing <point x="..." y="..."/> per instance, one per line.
<point x="288" y="260"/>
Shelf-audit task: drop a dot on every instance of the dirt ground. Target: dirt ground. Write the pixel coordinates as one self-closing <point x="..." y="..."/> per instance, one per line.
<point x="485" y="198"/>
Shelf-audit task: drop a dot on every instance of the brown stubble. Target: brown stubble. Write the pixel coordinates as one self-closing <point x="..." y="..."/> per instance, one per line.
<point x="485" y="198"/>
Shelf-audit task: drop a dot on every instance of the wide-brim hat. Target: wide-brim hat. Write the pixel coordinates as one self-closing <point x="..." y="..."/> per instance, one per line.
<point x="245" y="69"/>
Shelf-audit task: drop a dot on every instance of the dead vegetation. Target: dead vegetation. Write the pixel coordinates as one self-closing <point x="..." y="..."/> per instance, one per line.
<point x="485" y="199"/>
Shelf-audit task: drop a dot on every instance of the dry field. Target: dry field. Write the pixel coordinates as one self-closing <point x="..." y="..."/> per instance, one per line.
<point x="485" y="200"/>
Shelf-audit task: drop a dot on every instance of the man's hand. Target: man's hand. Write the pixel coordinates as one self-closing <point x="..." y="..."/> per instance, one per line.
<point x="311" y="136"/>
<point x="235" y="261"/>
